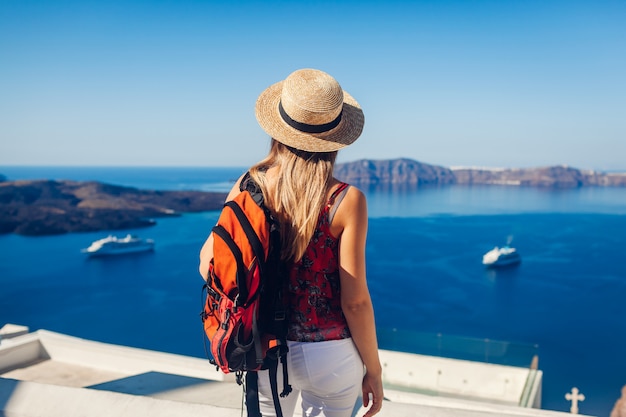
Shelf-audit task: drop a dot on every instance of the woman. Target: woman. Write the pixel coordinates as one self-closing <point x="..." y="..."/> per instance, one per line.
<point x="333" y="353"/>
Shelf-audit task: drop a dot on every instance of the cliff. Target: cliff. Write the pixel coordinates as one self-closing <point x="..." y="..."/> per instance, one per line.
<point x="407" y="172"/>
<point x="394" y="171"/>
<point x="43" y="207"/>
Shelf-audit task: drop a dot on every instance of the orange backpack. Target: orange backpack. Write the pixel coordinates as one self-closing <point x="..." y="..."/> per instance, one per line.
<point x="244" y="314"/>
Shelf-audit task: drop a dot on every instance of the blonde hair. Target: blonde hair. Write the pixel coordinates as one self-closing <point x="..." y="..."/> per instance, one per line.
<point x="296" y="196"/>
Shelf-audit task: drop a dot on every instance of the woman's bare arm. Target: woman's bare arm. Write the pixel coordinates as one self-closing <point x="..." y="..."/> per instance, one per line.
<point x="355" y="297"/>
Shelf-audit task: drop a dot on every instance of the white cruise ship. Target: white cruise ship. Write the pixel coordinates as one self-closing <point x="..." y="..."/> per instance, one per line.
<point x="112" y="245"/>
<point x="502" y="256"/>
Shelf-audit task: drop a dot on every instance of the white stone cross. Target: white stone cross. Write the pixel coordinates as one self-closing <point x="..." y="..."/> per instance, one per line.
<point x="574" y="397"/>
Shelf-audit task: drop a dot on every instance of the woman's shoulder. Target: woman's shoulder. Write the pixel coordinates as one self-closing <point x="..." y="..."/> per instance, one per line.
<point x="353" y="202"/>
<point x="351" y="213"/>
<point x="352" y="191"/>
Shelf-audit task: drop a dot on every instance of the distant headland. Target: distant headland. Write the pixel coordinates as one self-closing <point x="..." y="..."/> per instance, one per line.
<point x="408" y="172"/>
<point x="46" y="207"/>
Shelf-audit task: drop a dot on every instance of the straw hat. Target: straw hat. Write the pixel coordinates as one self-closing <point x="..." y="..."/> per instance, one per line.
<point x="309" y="111"/>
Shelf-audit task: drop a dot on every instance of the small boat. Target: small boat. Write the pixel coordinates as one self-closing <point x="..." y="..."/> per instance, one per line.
<point x="112" y="245"/>
<point x="505" y="255"/>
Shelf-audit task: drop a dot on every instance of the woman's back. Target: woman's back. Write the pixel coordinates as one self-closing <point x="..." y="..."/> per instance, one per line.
<point x="314" y="284"/>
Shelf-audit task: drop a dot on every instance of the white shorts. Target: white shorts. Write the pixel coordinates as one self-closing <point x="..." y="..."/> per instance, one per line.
<point x="327" y="375"/>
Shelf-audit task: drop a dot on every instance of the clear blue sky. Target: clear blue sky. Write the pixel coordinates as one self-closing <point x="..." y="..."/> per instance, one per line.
<point x="452" y="83"/>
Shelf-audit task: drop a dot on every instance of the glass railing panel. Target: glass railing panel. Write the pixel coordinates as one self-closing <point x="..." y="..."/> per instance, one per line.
<point x="458" y="347"/>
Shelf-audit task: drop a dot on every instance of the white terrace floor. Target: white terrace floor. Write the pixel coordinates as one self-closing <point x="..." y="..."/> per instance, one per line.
<point x="54" y="375"/>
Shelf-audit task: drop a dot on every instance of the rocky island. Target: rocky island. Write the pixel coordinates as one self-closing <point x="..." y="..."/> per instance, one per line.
<point x="41" y="207"/>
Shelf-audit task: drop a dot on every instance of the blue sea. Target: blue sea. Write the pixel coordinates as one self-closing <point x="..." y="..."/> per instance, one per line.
<point x="566" y="301"/>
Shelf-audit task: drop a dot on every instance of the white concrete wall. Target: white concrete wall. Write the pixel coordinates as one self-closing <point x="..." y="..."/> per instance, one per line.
<point x="125" y="359"/>
<point x="452" y="377"/>
<point x="12" y="330"/>
<point x="30" y="399"/>
<point x="20" y="351"/>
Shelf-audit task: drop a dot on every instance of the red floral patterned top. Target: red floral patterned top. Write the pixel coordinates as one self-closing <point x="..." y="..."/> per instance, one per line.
<point x="314" y="288"/>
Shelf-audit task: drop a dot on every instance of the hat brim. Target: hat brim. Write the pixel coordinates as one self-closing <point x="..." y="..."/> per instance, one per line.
<point x="344" y="134"/>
